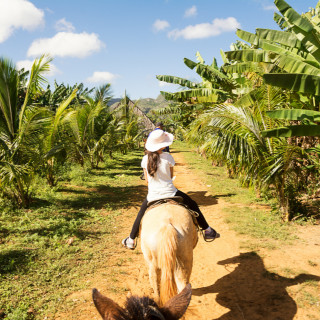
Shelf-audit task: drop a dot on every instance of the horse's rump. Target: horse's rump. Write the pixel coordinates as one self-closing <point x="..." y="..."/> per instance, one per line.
<point x="168" y="236"/>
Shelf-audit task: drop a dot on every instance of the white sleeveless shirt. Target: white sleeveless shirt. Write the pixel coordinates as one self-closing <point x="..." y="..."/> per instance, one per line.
<point x="160" y="186"/>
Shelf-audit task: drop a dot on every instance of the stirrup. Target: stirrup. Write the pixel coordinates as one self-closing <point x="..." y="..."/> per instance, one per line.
<point x="124" y="243"/>
<point x="217" y="235"/>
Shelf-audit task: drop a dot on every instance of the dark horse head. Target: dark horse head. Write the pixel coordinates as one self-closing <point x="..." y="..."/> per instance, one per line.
<point x="142" y="308"/>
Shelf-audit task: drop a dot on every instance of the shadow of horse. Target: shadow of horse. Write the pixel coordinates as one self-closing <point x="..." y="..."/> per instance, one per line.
<point x="251" y="292"/>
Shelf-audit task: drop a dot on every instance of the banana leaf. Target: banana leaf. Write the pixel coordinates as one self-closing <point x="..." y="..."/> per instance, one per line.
<point x="303" y="28"/>
<point x="281" y="21"/>
<point x="293" y="64"/>
<point x="189" y="63"/>
<point x="291" y="51"/>
<point x="213" y="94"/>
<point x="242" y="67"/>
<point x="247" y="36"/>
<point x="285" y="38"/>
<point x="254" y="55"/>
<point x="293" y="131"/>
<point x="295" y="82"/>
<point x="293" y="17"/>
<point x="223" y="56"/>
<point x="209" y="73"/>
<point x="294" y="114"/>
<point x="288" y="63"/>
<point x="177" y="80"/>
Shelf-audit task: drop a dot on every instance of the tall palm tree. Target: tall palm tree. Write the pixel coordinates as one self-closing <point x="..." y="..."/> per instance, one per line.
<point x="22" y="126"/>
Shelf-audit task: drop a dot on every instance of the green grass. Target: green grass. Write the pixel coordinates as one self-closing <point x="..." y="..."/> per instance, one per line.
<point x="49" y="250"/>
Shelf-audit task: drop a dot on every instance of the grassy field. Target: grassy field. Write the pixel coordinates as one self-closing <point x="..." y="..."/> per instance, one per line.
<point x="48" y="250"/>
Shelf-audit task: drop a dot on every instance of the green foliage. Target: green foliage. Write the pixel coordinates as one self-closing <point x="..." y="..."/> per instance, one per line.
<point x="41" y="129"/>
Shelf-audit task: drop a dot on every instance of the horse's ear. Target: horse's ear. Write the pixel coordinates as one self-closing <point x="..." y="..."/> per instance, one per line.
<point x="178" y="305"/>
<point x="107" y="308"/>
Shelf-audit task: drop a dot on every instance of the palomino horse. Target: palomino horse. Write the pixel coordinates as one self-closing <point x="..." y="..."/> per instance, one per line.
<point x="168" y="237"/>
<point x="142" y="308"/>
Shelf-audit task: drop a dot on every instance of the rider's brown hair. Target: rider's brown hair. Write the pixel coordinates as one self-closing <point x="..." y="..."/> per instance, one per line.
<point x="153" y="160"/>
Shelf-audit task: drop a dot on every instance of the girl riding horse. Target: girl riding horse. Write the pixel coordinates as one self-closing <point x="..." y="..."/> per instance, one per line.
<point x="158" y="170"/>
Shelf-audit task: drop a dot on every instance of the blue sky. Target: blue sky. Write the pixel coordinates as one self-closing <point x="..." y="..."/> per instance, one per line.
<point x="127" y="42"/>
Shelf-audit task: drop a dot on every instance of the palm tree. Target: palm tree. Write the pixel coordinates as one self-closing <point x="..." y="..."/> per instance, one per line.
<point x="22" y="127"/>
<point x="85" y="123"/>
<point x="233" y="134"/>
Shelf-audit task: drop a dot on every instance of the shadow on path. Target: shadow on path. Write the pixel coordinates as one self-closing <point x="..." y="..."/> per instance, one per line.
<point x="251" y="292"/>
<point x="202" y="198"/>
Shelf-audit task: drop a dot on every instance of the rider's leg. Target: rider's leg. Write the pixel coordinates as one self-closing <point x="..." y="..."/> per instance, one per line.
<point x="135" y="228"/>
<point x="210" y="233"/>
<point x="129" y="242"/>
<point x="193" y="206"/>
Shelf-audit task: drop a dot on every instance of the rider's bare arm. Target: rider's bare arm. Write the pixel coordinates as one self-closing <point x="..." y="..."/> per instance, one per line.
<point x="145" y="175"/>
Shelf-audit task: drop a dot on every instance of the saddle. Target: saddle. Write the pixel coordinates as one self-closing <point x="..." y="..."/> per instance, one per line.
<point x="156" y="203"/>
<point x="176" y="201"/>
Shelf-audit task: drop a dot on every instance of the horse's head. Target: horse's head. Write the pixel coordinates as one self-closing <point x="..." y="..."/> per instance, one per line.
<point x="142" y="308"/>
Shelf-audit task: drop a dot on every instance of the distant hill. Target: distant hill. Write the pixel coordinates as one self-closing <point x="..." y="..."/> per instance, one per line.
<point x="113" y="101"/>
<point x="146" y="104"/>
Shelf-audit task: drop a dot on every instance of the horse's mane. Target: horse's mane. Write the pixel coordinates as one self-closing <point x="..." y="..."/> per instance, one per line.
<point x="139" y="308"/>
<point x="142" y="308"/>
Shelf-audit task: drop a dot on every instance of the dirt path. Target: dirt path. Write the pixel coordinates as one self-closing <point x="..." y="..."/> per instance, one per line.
<point x="229" y="283"/>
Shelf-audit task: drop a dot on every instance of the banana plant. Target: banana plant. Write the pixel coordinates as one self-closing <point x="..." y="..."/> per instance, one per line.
<point x="215" y="86"/>
<point x="291" y="56"/>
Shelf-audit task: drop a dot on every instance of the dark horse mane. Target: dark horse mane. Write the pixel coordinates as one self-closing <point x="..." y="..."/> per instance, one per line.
<point x="142" y="308"/>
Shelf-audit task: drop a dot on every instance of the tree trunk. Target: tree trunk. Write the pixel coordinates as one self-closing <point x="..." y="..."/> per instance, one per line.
<point x="284" y="204"/>
<point x="50" y="172"/>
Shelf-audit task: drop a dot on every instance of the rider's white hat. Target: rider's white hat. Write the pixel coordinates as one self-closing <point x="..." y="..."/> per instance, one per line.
<point x="158" y="139"/>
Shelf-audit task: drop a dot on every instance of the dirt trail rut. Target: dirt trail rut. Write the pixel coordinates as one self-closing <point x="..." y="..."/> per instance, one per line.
<point x="229" y="283"/>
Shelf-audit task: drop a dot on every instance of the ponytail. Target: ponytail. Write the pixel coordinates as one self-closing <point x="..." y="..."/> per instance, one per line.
<point x="153" y="160"/>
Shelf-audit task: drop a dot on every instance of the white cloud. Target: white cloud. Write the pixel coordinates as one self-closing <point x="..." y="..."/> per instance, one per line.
<point x="27" y="65"/>
<point x="64" y="25"/>
<point x="102" y="76"/>
<point x="270" y="7"/>
<point x="191" y="12"/>
<point x="160" y="25"/>
<point x="67" y="44"/>
<point x="206" y="30"/>
<point x="16" y="14"/>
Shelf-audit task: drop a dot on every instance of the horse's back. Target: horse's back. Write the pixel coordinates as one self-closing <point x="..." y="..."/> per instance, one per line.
<point x="165" y="216"/>
<point x="168" y="236"/>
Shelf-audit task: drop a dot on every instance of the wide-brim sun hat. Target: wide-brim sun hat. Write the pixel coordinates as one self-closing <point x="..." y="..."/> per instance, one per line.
<point x="158" y="139"/>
